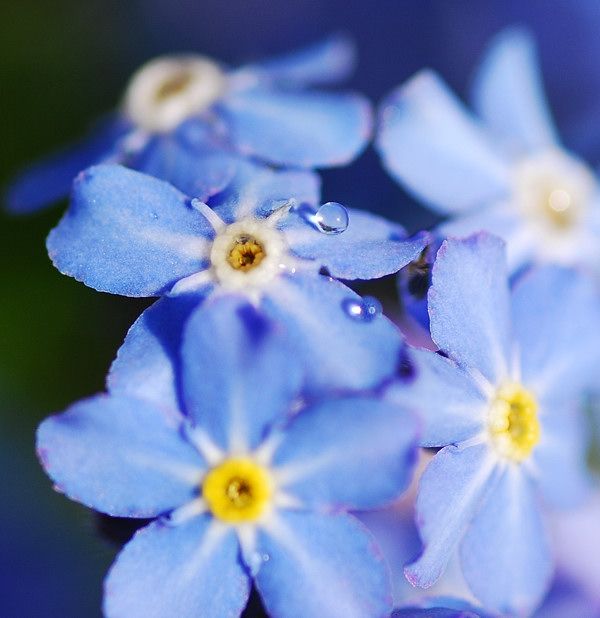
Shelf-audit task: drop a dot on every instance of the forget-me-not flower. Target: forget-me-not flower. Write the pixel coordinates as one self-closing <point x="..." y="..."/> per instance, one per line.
<point x="264" y="236"/>
<point x="503" y="171"/>
<point x="244" y="480"/>
<point x="503" y="401"/>
<point x="184" y="118"/>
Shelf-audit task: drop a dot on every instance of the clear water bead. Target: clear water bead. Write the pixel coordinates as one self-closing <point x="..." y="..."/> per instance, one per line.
<point x="331" y="218"/>
<point x="255" y="560"/>
<point x="365" y="309"/>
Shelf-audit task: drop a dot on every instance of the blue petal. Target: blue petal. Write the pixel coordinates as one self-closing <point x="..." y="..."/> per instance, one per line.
<point x="505" y="554"/>
<point x="328" y="61"/>
<point x="559" y="459"/>
<point x="197" y="170"/>
<point x="428" y="142"/>
<point x="370" y="247"/>
<point x="322" y="565"/>
<point x="127" y="233"/>
<point x="354" y="453"/>
<point x="186" y="571"/>
<point x="257" y="190"/>
<point x="451" y="491"/>
<point x="239" y="373"/>
<point x="556" y="311"/>
<point x="445" y="397"/>
<point x="119" y="455"/>
<point x="147" y="365"/>
<point x="304" y="129"/>
<point x="50" y="180"/>
<point x="469" y="304"/>
<point x="509" y="96"/>
<point x="339" y="351"/>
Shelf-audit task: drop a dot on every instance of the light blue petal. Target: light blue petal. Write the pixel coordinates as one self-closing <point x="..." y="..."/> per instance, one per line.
<point x="239" y="372"/>
<point x="183" y="571"/>
<point x="351" y="453"/>
<point x="322" y="565"/>
<point x="445" y="397"/>
<point x="148" y="364"/>
<point x="328" y="61"/>
<point x="451" y="491"/>
<point x="257" y="190"/>
<point x="556" y="319"/>
<point x="119" y="455"/>
<point x="469" y="304"/>
<point x="559" y="459"/>
<point x="369" y="248"/>
<point x="49" y="180"/>
<point x="127" y="233"/>
<point x="304" y="129"/>
<point x="429" y="143"/>
<point x="509" y="96"/>
<point x="339" y="351"/>
<point x="505" y="553"/>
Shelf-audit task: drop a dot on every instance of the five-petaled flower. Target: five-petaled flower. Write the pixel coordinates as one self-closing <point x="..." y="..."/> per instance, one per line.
<point x="245" y="479"/>
<point x="188" y="120"/>
<point x="503" y="401"/>
<point x="505" y="171"/>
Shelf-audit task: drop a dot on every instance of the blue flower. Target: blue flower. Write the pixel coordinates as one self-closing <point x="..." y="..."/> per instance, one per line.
<point x="503" y="171"/>
<point x="503" y="401"/>
<point x="131" y="234"/>
<point x="184" y="118"/>
<point x="244" y="479"/>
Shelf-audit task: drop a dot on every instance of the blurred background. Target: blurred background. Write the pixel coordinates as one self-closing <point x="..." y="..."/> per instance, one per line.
<point x="65" y="62"/>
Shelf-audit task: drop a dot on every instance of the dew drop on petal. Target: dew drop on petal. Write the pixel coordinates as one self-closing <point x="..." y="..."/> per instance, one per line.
<point x="364" y="310"/>
<point x="255" y="560"/>
<point x="331" y="218"/>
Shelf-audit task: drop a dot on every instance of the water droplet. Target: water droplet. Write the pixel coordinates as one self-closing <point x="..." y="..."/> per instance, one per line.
<point x="365" y="309"/>
<point x="255" y="560"/>
<point x="331" y="218"/>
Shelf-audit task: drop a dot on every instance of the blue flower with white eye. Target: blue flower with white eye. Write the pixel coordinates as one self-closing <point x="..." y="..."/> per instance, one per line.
<point x="503" y="401"/>
<point x="246" y="481"/>
<point x="265" y="236"/>
<point x="187" y="120"/>
<point x="503" y="171"/>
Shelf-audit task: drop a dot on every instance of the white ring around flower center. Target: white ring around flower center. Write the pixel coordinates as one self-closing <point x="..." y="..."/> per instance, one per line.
<point x="274" y="252"/>
<point x="167" y="90"/>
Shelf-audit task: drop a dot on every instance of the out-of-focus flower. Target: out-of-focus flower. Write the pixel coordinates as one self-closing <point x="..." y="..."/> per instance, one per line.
<point x="245" y="480"/>
<point x="503" y="171"/>
<point x="185" y="119"/>
<point x="264" y="236"/>
<point x="503" y="401"/>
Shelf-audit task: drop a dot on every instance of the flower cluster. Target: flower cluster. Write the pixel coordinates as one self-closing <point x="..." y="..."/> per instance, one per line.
<point x="270" y="422"/>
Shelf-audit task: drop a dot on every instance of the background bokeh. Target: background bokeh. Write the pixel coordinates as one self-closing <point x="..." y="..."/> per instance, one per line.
<point x="63" y="63"/>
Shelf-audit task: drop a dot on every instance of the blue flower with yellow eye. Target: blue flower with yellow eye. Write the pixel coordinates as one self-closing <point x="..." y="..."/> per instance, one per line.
<point x="265" y="236"/>
<point x="244" y="479"/>
<point x="502" y="400"/>
<point x="504" y="170"/>
<point x="186" y="119"/>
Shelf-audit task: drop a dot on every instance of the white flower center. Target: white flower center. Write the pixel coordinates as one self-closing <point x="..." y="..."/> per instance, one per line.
<point x="554" y="190"/>
<point x="168" y="90"/>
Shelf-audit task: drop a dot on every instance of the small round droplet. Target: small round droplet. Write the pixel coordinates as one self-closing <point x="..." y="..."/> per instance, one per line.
<point x="255" y="560"/>
<point x="331" y="218"/>
<point x="365" y="309"/>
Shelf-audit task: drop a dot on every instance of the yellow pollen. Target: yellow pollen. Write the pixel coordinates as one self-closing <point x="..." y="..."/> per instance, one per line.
<point x="246" y="253"/>
<point x="514" y="426"/>
<point x="172" y="86"/>
<point x="237" y="490"/>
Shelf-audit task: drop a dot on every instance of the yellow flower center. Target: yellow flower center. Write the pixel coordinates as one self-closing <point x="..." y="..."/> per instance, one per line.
<point x="514" y="426"/>
<point x="246" y="253"/>
<point x="560" y="207"/>
<point x="174" y="84"/>
<point x="237" y="490"/>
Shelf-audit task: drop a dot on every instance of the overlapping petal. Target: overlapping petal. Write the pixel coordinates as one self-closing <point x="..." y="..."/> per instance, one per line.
<point x="322" y="565"/>
<point x="351" y="453"/>
<point x="127" y="233"/>
<point x="303" y="129"/>
<point x="120" y="455"/>
<point x="428" y="141"/>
